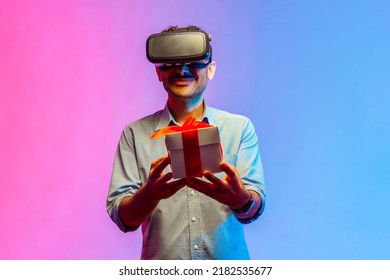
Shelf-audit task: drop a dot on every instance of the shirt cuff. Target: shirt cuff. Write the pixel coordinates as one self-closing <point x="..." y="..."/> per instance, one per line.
<point x="116" y="218"/>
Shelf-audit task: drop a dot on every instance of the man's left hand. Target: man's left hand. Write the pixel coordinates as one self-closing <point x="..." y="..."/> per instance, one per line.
<point x="229" y="191"/>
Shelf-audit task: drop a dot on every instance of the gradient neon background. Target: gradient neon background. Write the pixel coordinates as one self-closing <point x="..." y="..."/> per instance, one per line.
<point x="313" y="76"/>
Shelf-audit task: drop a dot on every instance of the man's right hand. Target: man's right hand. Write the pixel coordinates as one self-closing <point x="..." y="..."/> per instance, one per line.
<point x="158" y="186"/>
<point x="133" y="210"/>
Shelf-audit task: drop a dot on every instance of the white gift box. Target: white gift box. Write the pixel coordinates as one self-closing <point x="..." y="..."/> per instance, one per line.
<point x="194" y="151"/>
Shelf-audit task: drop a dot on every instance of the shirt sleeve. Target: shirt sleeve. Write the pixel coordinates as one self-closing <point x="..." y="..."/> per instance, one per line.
<point x="125" y="179"/>
<point x="250" y="168"/>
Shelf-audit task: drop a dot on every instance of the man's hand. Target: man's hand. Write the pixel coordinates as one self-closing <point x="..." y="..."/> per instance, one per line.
<point x="229" y="191"/>
<point x="157" y="185"/>
<point x="133" y="210"/>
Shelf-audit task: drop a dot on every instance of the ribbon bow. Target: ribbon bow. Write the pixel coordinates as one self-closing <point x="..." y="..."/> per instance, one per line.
<point x="189" y="124"/>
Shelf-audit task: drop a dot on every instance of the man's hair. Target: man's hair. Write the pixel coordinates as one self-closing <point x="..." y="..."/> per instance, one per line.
<point x="189" y="28"/>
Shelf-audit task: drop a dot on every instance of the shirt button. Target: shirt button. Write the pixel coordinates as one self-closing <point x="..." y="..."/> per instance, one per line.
<point x="193" y="219"/>
<point x="196" y="247"/>
<point x="192" y="193"/>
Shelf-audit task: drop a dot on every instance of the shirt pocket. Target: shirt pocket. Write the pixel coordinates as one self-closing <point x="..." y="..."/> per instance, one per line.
<point x="230" y="158"/>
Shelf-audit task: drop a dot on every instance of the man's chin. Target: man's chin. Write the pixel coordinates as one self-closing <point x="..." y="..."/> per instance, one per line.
<point x="182" y="91"/>
<point x="184" y="95"/>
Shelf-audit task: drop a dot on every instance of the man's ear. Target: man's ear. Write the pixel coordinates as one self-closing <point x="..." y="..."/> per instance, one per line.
<point x="211" y="70"/>
<point x="158" y="71"/>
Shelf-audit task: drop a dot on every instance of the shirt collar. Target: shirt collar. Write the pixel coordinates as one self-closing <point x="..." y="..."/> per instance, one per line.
<point x="167" y="119"/>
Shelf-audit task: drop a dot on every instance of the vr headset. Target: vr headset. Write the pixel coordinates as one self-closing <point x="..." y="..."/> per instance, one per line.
<point x="179" y="47"/>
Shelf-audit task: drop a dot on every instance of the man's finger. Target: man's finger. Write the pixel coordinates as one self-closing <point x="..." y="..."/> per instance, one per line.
<point x="176" y="185"/>
<point x="165" y="178"/>
<point x="228" y="169"/>
<point x="159" y="165"/>
<point x="156" y="161"/>
<point x="201" y="186"/>
<point x="213" y="179"/>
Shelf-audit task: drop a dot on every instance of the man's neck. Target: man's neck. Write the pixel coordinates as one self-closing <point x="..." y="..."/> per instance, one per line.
<point x="183" y="109"/>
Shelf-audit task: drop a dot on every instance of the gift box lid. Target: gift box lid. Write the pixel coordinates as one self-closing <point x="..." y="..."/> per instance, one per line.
<point x="206" y="136"/>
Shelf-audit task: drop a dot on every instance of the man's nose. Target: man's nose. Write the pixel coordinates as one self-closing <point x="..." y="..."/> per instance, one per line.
<point x="184" y="69"/>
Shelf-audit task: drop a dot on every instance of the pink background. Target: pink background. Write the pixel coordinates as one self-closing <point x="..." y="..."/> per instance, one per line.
<point x="312" y="75"/>
<point x="73" y="73"/>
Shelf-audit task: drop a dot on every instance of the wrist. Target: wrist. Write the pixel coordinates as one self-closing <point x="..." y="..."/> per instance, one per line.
<point x="247" y="207"/>
<point x="149" y="196"/>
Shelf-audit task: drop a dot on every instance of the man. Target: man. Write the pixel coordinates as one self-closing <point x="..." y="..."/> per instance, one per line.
<point x="188" y="218"/>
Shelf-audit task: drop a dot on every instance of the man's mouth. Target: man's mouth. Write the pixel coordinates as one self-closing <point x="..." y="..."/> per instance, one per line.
<point x="182" y="80"/>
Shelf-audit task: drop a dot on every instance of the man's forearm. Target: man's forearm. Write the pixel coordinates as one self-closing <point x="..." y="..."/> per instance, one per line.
<point x="133" y="210"/>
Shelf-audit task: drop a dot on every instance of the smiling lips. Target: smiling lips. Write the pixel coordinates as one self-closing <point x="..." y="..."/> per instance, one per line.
<point x="182" y="80"/>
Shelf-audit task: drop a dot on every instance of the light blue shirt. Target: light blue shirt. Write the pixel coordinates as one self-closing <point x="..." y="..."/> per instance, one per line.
<point x="188" y="225"/>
